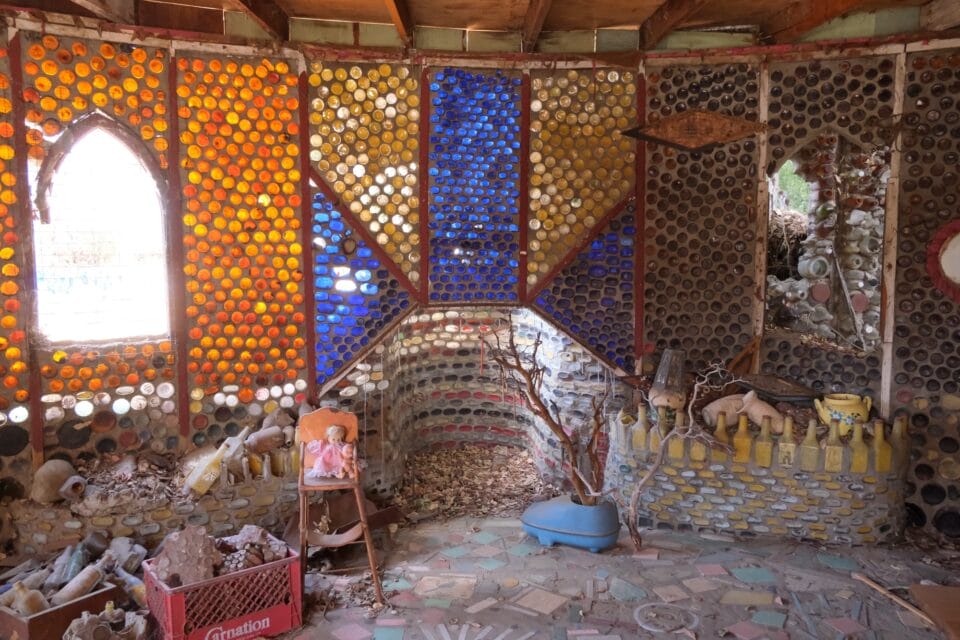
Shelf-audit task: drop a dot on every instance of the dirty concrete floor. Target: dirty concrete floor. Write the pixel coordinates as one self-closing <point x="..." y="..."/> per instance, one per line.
<point x="474" y="578"/>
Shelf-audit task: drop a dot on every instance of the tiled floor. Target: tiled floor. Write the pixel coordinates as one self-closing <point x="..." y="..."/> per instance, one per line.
<point x="484" y="578"/>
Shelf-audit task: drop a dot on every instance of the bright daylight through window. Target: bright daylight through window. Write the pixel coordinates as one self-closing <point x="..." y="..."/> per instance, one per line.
<point x="101" y="252"/>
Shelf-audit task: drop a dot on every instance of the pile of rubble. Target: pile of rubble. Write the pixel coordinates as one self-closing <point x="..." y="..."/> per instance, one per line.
<point x="192" y="555"/>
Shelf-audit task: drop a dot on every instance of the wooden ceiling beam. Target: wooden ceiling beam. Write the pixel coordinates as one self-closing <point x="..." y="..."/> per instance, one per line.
<point x="269" y="15"/>
<point x="400" y="15"/>
<point x="533" y="21"/>
<point x="939" y="15"/>
<point x="800" y="17"/>
<point x="667" y="17"/>
<point x="118" y="11"/>
<point x="181" y="17"/>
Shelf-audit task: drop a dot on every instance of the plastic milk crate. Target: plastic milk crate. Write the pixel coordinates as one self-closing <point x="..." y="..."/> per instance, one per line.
<point x="255" y="602"/>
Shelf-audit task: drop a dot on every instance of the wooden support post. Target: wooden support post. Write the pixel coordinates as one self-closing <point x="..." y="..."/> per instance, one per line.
<point x="803" y="16"/>
<point x="536" y="14"/>
<point x="665" y="19"/>
<point x="939" y="15"/>
<point x="400" y="15"/>
<point x="888" y="308"/>
<point x="763" y="222"/>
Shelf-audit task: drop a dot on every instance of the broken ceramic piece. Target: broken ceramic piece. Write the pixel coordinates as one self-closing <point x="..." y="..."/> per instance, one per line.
<point x="729" y="405"/>
<point x="49" y="479"/>
<point x="756" y="409"/>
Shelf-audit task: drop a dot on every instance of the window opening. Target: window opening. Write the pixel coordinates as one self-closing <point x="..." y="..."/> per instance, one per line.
<point x="825" y="242"/>
<point x="99" y="240"/>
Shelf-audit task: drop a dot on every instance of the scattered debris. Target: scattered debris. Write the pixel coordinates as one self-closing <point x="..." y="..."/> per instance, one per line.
<point x="252" y="547"/>
<point x="191" y="555"/>
<point x="110" y="623"/>
<point x="900" y="601"/>
<point x="187" y="556"/>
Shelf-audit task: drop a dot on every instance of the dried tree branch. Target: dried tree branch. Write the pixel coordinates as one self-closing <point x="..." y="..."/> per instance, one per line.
<point x="593" y="443"/>
<point x="528" y="375"/>
<point x="693" y="432"/>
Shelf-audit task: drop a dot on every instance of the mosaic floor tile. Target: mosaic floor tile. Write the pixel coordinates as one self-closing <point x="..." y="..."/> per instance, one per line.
<point x="490" y="564"/>
<point x="486" y="551"/>
<point x="837" y="562"/>
<point x="484" y="537"/>
<point x="773" y="619"/>
<point x="712" y="570"/>
<point x="486" y="603"/>
<point x="352" y="631"/>
<point x="397" y="584"/>
<point x="539" y="600"/>
<point x="845" y="626"/>
<point x="746" y="630"/>
<point x="522" y="550"/>
<point x="589" y="595"/>
<point x="753" y="574"/>
<point x="405" y="599"/>
<point x="455" y="552"/>
<point x="446" y="587"/>
<point x="388" y="633"/>
<point x="625" y="591"/>
<point x="439" y="603"/>
<point x="700" y="585"/>
<point x="671" y="593"/>
<point x="747" y="598"/>
<point x="433" y="615"/>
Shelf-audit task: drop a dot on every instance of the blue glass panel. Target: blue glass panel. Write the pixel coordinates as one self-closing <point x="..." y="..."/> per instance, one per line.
<point x="593" y="297"/>
<point x="354" y="298"/>
<point x="474" y="186"/>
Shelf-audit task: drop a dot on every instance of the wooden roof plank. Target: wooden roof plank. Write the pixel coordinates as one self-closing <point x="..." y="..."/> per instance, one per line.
<point x="533" y="22"/>
<point x="400" y="15"/>
<point x="269" y="15"/>
<point x="118" y="11"/>
<point x="666" y="18"/>
<point x="939" y="15"/>
<point x="800" y="17"/>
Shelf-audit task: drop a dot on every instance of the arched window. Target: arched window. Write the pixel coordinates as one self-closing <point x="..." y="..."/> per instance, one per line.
<point x="825" y="241"/>
<point x="99" y="240"/>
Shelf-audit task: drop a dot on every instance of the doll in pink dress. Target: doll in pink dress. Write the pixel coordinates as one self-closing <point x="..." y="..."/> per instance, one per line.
<point x="333" y="455"/>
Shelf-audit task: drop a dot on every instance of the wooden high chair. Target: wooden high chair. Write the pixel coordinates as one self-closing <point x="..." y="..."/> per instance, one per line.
<point x="313" y="426"/>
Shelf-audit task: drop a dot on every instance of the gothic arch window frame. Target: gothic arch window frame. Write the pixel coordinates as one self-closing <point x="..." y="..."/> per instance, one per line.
<point x="803" y="143"/>
<point x="44" y="183"/>
<point x="76" y="132"/>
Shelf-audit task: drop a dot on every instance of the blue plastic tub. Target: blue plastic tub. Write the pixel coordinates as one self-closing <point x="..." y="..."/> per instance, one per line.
<point x="562" y="521"/>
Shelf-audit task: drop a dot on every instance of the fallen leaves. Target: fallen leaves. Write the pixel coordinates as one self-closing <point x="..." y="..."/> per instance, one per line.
<point x="470" y="480"/>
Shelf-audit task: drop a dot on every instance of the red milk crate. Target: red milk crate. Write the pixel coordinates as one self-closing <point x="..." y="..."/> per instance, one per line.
<point x="260" y="601"/>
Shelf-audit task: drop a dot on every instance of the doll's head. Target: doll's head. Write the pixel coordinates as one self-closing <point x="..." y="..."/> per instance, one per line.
<point x="336" y="433"/>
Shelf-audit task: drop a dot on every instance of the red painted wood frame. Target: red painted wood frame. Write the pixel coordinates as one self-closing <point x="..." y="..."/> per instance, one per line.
<point x="523" y="206"/>
<point x="176" y="279"/>
<point x="24" y="225"/>
<point x="306" y="240"/>
<point x="424" y="185"/>
<point x="640" y="217"/>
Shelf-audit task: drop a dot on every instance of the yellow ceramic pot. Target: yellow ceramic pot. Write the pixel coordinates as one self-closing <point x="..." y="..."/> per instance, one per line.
<point x="848" y="408"/>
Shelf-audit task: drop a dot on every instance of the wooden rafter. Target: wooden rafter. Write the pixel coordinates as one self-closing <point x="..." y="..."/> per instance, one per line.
<point x="118" y="11"/>
<point x="938" y="15"/>
<point x="537" y="12"/>
<point x="665" y="19"/>
<point x="400" y="14"/>
<point x="800" y="17"/>
<point x="269" y="15"/>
